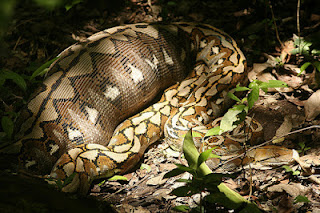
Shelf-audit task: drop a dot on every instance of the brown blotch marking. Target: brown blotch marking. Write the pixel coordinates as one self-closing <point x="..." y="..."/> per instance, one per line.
<point x="89" y="167"/>
<point x="153" y="129"/>
<point x="104" y="161"/>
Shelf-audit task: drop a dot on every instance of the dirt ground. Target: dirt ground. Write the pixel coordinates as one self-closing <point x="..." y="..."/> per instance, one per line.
<point x="36" y="35"/>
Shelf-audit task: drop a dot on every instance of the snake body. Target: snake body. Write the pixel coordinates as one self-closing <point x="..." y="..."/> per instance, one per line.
<point x="95" y="115"/>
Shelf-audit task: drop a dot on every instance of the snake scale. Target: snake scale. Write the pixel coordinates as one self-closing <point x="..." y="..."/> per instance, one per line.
<point x="95" y="115"/>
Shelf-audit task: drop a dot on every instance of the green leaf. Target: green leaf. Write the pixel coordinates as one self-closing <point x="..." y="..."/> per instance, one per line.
<point x="173" y="173"/>
<point x="227" y="121"/>
<point x="146" y="167"/>
<point x="191" y="154"/>
<point x="296" y="173"/>
<point x="302" y="199"/>
<point x="215" y="177"/>
<point x="190" y="151"/>
<point x="184" y="180"/>
<point x="214" y="131"/>
<point x="184" y="191"/>
<point x="185" y="168"/>
<point x="316" y="64"/>
<point x="102" y="182"/>
<point x="118" y="177"/>
<point x="287" y="168"/>
<point x="241" y="89"/>
<point x="304" y="67"/>
<point x="43" y="68"/>
<point x="181" y="208"/>
<point x="253" y="96"/>
<point x="7" y="125"/>
<point x="205" y="156"/>
<point x="15" y="77"/>
<point x="276" y="83"/>
<point x="69" y="179"/>
<point x="233" y="97"/>
<point x="74" y="2"/>
<point x="196" y="134"/>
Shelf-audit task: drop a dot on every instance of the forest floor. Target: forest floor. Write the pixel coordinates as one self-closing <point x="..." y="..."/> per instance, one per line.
<point x="36" y="35"/>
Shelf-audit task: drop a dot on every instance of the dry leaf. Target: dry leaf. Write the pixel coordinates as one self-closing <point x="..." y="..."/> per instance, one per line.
<point x="312" y="106"/>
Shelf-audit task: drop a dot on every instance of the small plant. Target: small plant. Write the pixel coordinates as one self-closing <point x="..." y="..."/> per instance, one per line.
<point x="289" y="169"/>
<point x="304" y="47"/>
<point x="203" y="180"/>
<point x="8" y="79"/>
<point x="303" y="148"/>
<point x="239" y="111"/>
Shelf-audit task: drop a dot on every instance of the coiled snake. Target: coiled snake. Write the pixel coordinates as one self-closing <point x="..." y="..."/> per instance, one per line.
<point x="72" y="124"/>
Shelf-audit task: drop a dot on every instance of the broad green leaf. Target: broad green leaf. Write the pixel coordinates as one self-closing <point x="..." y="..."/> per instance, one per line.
<point x="316" y="64"/>
<point x="185" y="168"/>
<point x="241" y="89"/>
<point x="227" y="121"/>
<point x="184" y="191"/>
<point x="272" y="84"/>
<point x="184" y="180"/>
<point x="276" y="83"/>
<point x="181" y="208"/>
<point x="69" y="179"/>
<point x="287" y="168"/>
<point x="74" y="2"/>
<point x="253" y="96"/>
<point x="205" y="156"/>
<point x="214" y="131"/>
<point x="43" y="68"/>
<point x="215" y="177"/>
<point x="102" y="182"/>
<point x="191" y="154"/>
<point x="233" y="97"/>
<point x="300" y="198"/>
<point x="295" y="173"/>
<point x="304" y="66"/>
<point x="173" y="173"/>
<point x="196" y="134"/>
<point x="146" y="167"/>
<point x="7" y="125"/>
<point x="15" y="77"/>
<point x="190" y="151"/>
<point x="118" y="177"/>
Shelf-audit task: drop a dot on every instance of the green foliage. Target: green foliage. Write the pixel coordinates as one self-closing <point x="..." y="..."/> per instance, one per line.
<point x="15" y="77"/>
<point x="7" y="126"/>
<point x="303" y="148"/>
<point x="204" y="180"/>
<point x="302" y="199"/>
<point x="304" y="47"/>
<point x="59" y="183"/>
<point x="314" y="64"/>
<point x="42" y="69"/>
<point x="71" y="3"/>
<point x="118" y="177"/>
<point x="8" y="80"/>
<point x="289" y="169"/>
<point x="238" y="112"/>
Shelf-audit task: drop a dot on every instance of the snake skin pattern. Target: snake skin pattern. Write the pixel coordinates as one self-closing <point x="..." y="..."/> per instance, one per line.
<point x="78" y="122"/>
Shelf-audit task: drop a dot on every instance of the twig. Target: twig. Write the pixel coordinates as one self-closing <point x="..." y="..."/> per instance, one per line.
<point x="275" y="24"/>
<point x="298" y="18"/>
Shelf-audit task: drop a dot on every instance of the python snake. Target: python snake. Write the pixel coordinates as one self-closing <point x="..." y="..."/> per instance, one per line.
<point x="95" y="115"/>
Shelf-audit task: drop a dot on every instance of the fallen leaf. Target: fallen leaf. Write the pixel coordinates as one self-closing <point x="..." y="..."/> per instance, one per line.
<point x="293" y="189"/>
<point x="312" y="106"/>
<point x="284" y="129"/>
